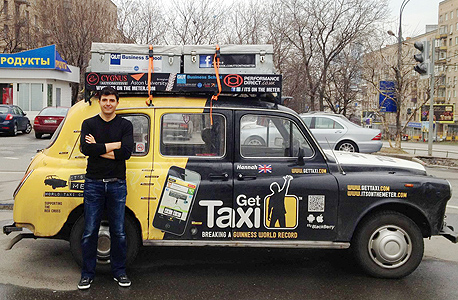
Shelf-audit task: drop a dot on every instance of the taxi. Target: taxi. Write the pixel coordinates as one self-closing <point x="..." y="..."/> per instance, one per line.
<point x="215" y="189"/>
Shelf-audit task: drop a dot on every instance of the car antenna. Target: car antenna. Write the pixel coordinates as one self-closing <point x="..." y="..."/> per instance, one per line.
<point x="337" y="160"/>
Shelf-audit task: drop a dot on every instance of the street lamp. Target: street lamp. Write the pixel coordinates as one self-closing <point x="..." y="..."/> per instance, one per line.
<point x="398" y="69"/>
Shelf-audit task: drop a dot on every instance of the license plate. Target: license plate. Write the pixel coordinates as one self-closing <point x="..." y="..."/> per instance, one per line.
<point x="50" y="121"/>
<point x="173" y="126"/>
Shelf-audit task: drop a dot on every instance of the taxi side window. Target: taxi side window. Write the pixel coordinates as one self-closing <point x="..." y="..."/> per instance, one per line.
<point x="270" y="136"/>
<point x="193" y="135"/>
<point x="140" y="125"/>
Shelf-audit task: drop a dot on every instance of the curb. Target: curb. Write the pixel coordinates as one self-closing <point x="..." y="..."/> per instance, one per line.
<point x="8" y="206"/>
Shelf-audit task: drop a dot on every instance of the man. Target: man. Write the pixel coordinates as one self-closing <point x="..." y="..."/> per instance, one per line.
<point x="108" y="141"/>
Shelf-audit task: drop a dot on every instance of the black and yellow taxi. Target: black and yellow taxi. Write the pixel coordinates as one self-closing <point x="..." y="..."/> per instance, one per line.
<point x="248" y="174"/>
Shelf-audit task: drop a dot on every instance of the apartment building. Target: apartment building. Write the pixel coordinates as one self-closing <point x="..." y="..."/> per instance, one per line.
<point x="447" y="62"/>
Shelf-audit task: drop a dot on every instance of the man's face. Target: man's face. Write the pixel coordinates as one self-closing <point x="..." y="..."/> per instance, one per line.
<point x="108" y="104"/>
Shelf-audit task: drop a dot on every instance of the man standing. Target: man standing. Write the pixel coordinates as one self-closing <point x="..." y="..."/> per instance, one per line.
<point x="108" y="141"/>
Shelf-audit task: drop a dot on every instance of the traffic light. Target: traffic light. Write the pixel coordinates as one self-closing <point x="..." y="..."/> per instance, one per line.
<point x="422" y="66"/>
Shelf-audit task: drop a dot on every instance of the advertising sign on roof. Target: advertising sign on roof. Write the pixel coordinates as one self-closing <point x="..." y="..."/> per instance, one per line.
<point x="40" y="58"/>
<point x="133" y="63"/>
<point x="169" y="82"/>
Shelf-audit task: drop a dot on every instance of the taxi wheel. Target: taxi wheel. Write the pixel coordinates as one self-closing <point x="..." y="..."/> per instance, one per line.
<point x="388" y="245"/>
<point x="133" y="238"/>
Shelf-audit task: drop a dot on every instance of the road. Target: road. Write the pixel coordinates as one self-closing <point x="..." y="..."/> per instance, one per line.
<point x="421" y="149"/>
<point x="45" y="269"/>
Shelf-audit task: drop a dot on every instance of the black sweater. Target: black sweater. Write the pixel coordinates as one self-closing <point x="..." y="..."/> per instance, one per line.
<point x="116" y="130"/>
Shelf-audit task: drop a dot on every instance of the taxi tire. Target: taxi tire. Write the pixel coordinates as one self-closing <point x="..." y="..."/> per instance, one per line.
<point x="133" y="239"/>
<point x="389" y="229"/>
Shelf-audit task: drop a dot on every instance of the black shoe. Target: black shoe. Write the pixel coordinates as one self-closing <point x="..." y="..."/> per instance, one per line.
<point x="123" y="280"/>
<point x="85" y="283"/>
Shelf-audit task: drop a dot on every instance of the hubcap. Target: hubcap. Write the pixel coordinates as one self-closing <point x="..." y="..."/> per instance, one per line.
<point x="390" y="247"/>
<point x="347" y="147"/>
<point x="255" y="142"/>
<point x="103" y="244"/>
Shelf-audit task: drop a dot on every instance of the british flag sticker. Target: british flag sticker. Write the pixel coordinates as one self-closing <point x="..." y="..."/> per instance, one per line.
<point x="265" y="169"/>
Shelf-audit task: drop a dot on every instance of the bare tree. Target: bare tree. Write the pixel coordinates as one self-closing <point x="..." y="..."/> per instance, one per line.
<point x="141" y="22"/>
<point x="70" y="25"/>
<point x="319" y="30"/>
<point x="16" y="32"/>
<point x="246" y="22"/>
<point x="196" y="22"/>
<point x="344" y="79"/>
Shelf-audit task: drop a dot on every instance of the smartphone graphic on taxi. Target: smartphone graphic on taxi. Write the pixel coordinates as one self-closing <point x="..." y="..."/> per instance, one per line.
<point x="177" y="199"/>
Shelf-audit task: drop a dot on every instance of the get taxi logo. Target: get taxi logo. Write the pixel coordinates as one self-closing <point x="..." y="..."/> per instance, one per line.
<point x="280" y="208"/>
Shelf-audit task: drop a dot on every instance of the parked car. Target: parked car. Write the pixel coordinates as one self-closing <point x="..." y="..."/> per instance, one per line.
<point x="334" y="131"/>
<point x="48" y="119"/>
<point x="13" y="120"/>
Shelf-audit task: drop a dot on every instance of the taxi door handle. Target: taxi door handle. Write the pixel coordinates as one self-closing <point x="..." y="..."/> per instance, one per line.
<point x="240" y="176"/>
<point x="223" y="177"/>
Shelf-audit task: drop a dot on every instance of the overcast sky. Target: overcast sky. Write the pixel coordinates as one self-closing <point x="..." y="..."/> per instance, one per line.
<point x="415" y="16"/>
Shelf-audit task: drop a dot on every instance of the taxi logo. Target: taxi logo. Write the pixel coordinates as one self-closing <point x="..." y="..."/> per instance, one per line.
<point x="281" y="209"/>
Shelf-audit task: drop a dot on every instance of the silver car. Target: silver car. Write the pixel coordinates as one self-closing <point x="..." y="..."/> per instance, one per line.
<point x="334" y="131"/>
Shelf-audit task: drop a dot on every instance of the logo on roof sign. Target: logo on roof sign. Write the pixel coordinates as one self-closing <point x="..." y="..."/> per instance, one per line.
<point x="205" y="61"/>
<point x="233" y="80"/>
<point x="115" y="59"/>
<point x="92" y="78"/>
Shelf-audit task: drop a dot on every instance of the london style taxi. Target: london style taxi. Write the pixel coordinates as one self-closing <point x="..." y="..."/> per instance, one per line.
<point x="248" y="173"/>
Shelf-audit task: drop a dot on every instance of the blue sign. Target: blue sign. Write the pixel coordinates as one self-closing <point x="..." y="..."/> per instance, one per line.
<point x="205" y="61"/>
<point x="414" y="124"/>
<point x="40" y="58"/>
<point x="387" y="96"/>
<point x="115" y="59"/>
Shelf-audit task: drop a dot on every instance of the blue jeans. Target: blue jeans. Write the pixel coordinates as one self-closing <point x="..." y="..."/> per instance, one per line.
<point x="98" y="196"/>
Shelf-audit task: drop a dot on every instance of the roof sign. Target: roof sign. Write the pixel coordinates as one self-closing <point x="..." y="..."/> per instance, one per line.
<point x="170" y="82"/>
<point x="40" y="58"/>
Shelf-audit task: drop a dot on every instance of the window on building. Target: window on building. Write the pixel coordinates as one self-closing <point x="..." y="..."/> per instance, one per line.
<point x="441" y="18"/>
<point x="454" y="93"/>
<point x="446" y="17"/>
<point x="451" y="15"/>
<point x="450" y="42"/>
<point x="456" y="42"/>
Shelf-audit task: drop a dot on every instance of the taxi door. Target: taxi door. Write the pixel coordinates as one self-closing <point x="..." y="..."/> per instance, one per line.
<point x="276" y="195"/>
<point x="192" y="170"/>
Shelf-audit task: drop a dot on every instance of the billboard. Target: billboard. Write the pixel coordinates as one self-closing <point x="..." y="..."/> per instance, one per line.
<point x="443" y="113"/>
<point x="387" y="96"/>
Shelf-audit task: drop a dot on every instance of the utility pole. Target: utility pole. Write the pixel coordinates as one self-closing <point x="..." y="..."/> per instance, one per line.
<point x="431" y="99"/>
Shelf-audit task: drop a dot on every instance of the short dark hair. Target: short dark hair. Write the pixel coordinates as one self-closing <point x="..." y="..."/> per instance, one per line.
<point x="108" y="90"/>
